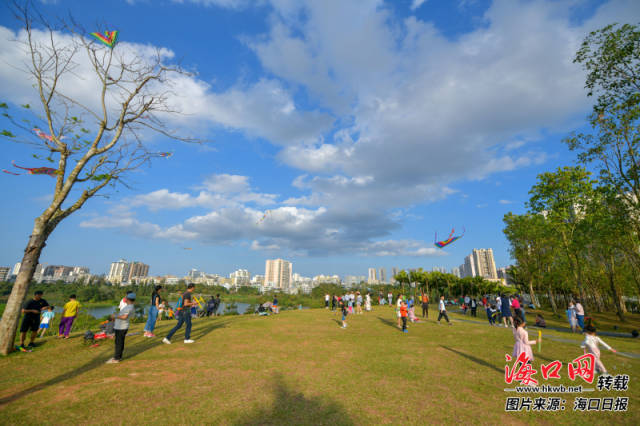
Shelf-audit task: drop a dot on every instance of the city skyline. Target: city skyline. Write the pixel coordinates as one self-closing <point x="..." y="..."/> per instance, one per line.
<point x="351" y="150"/>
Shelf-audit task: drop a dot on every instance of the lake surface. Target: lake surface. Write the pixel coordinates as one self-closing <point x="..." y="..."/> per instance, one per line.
<point x="103" y="311"/>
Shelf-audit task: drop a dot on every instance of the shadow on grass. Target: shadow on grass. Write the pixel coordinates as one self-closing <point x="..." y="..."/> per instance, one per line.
<point x="337" y="321"/>
<point x="388" y="322"/>
<point x="291" y="407"/>
<point x="129" y="352"/>
<point x="474" y="359"/>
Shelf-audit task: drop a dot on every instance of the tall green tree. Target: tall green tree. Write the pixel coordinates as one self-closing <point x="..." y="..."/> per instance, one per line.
<point x="561" y="197"/>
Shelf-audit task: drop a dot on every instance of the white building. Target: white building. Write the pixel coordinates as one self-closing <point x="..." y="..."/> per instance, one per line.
<point x="372" y="279"/>
<point x="240" y="277"/>
<point x="278" y="274"/>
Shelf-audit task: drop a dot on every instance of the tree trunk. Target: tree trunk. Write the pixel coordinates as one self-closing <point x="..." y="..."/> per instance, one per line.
<point x="534" y="300"/>
<point x="615" y="293"/>
<point x="552" y="300"/>
<point x="13" y="309"/>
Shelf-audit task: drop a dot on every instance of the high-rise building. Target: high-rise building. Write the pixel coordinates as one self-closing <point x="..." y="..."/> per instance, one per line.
<point x="240" y="277"/>
<point x="469" y="267"/>
<point x="394" y="272"/>
<point x="4" y="273"/>
<point x="16" y="268"/>
<point x="484" y="263"/>
<point x="137" y="270"/>
<point x="383" y="275"/>
<point x="278" y="274"/>
<point x="456" y="271"/>
<point x="372" y="276"/>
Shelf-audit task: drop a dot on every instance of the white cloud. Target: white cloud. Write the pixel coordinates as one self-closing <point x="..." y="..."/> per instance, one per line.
<point x="505" y="202"/>
<point x="415" y="4"/>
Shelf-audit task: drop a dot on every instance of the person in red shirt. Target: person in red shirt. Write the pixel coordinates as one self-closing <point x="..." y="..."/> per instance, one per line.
<point x="425" y="305"/>
<point x="403" y="315"/>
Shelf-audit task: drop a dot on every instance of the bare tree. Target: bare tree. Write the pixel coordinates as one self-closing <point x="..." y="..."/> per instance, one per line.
<point x="94" y="143"/>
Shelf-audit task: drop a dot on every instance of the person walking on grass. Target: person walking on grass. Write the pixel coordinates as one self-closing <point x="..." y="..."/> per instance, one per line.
<point x="571" y="316"/>
<point x="442" y="309"/>
<point x="121" y="327"/>
<point x="474" y="307"/>
<point x="153" y="312"/>
<point x="390" y="298"/>
<point x="31" y="319"/>
<point x="425" y="305"/>
<point x="522" y="342"/>
<point x="515" y="304"/>
<point x="343" y="307"/>
<point x="579" y="314"/>
<point x="334" y="300"/>
<point x="218" y="301"/>
<point x="590" y="345"/>
<point x="184" y="316"/>
<point x="367" y="302"/>
<point x="47" y="317"/>
<point x="358" y="303"/>
<point x="505" y="310"/>
<point x="403" y="315"/>
<point x="69" y="313"/>
<point x="326" y="301"/>
<point x="398" y="305"/>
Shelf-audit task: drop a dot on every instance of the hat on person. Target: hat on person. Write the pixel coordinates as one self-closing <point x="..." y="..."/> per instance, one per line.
<point x="131" y="296"/>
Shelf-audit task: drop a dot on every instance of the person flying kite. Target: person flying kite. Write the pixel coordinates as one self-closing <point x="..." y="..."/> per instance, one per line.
<point x="450" y="239"/>
<point x="109" y="38"/>
<point x="34" y="171"/>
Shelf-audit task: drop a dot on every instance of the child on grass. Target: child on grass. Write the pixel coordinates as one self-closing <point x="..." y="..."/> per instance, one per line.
<point x="47" y="316"/>
<point x="590" y="345"/>
<point x="522" y="344"/>
<point x="403" y="315"/>
<point x="491" y="314"/>
<point x="345" y="312"/>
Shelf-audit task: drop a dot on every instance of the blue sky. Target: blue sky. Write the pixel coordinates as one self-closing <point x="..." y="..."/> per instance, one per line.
<point x="362" y="126"/>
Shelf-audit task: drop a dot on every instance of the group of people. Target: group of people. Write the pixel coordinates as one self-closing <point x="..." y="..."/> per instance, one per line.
<point x="38" y="316"/>
<point x="351" y="300"/>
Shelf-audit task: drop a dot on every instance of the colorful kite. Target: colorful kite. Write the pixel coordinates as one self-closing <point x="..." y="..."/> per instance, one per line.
<point x="451" y="238"/>
<point x="43" y="135"/>
<point x="264" y="216"/>
<point x="187" y="248"/>
<point x="110" y="38"/>
<point x="165" y="154"/>
<point x="34" y="171"/>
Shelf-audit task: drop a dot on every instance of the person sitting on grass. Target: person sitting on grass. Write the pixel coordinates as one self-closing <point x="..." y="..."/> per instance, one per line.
<point x="31" y="319"/>
<point x="590" y="345"/>
<point x="69" y="313"/>
<point x="522" y="342"/>
<point x="108" y="326"/>
<point x="47" y="317"/>
<point x="121" y="327"/>
<point x="540" y="322"/>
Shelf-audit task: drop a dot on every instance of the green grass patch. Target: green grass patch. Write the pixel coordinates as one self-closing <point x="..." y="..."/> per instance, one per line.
<point x="298" y="367"/>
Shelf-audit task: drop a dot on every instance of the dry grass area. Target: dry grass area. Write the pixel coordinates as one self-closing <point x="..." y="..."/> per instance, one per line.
<point x="298" y="367"/>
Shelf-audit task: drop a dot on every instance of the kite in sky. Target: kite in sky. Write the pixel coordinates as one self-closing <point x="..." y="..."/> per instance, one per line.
<point x="264" y="216"/>
<point x="165" y="154"/>
<point x="187" y="248"/>
<point x="451" y="238"/>
<point x="34" y="171"/>
<point x="109" y="38"/>
<point x="42" y="135"/>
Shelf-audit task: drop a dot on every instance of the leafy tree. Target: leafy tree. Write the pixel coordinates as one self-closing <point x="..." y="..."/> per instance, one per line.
<point x="92" y="147"/>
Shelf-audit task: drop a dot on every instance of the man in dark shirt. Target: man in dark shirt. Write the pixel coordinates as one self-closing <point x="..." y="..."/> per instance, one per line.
<point x="215" y="309"/>
<point x="31" y="319"/>
<point x="184" y="316"/>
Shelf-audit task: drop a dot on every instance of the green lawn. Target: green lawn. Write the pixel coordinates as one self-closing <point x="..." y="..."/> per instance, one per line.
<point x="298" y="367"/>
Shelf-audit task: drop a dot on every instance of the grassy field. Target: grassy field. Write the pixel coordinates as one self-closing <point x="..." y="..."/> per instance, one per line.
<point x="298" y="367"/>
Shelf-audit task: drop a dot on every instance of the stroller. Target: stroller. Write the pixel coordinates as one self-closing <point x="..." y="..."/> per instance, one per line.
<point x="264" y="309"/>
